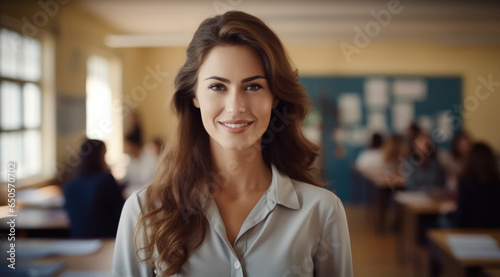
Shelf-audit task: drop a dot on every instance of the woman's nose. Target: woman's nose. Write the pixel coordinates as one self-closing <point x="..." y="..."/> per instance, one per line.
<point x="235" y="104"/>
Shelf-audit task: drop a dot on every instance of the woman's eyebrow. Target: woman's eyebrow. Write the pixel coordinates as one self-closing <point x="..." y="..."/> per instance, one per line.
<point x="224" y="80"/>
<point x="249" y="79"/>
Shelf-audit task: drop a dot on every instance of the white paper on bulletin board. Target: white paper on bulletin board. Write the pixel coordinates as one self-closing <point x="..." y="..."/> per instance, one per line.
<point x="410" y="90"/>
<point x="376" y="93"/>
<point x="350" y="108"/>
<point x="403" y="115"/>
<point x="358" y="137"/>
<point x="444" y="130"/>
<point x="377" y="121"/>
<point x="426" y="123"/>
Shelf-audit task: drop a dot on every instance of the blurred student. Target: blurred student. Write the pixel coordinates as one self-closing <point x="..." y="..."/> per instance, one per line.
<point x="425" y="172"/>
<point x="93" y="198"/>
<point x="141" y="166"/>
<point x="155" y="146"/>
<point x="394" y="153"/>
<point x="454" y="163"/>
<point x="370" y="161"/>
<point x="479" y="190"/>
<point x="411" y="135"/>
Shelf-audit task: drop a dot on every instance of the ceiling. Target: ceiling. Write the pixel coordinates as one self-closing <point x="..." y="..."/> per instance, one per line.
<point x="155" y="23"/>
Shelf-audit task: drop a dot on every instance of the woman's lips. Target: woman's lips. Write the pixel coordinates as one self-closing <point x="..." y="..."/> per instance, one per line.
<point x="236" y="126"/>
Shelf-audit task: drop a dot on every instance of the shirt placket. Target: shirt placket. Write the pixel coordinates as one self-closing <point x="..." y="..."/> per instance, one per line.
<point x="259" y="213"/>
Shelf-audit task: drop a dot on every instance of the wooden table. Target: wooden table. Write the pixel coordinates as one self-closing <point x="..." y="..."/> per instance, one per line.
<point x="38" y="222"/>
<point x="456" y="267"/>
<point x="412" y="214"/>
<point x="492" y="272"/>
<point x="99" y="261"/>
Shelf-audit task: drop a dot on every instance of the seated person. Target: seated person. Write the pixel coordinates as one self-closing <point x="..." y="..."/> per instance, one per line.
<point x="478" y="203"/>
<point x="394" y="153"/>
<point x="454" y="162"/>
<point x="141" y="166"/>
<point x="93" y="198"/>
<point x="425" y="173"/>
<point x="370" y="161"/>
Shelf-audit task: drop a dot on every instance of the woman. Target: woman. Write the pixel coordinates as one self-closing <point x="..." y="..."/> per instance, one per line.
<point x="479" y="190"/>
<point x="235" y="194"/>
<point x="460" y="148"/>
<point x="394" y="152"/>
<point x="93" y="198"/>
<point x="369" y="162"/>
<point x="425" y="173"/>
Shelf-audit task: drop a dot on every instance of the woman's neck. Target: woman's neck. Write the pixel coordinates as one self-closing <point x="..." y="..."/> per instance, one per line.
<point x="238" y="172"/>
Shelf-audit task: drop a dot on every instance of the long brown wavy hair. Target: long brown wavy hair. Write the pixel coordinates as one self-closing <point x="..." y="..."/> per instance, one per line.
<point x="173" y="221"/>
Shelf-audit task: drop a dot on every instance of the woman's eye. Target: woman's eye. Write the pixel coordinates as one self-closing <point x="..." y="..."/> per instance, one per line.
<point x="253" y="87"/>
<point x="216" y="87"/>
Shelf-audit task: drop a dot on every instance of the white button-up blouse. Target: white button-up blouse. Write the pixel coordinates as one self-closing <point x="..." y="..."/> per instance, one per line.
<point x="295" y="229"/>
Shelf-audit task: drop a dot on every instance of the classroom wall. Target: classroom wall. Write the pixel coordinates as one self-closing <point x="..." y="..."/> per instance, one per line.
<point x="78" y="36"/>
<point x="432" y="60"/>
<point x="159" y="67"/>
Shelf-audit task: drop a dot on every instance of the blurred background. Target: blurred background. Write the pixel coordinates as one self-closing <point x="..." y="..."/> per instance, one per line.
<point x="405" y="94"/>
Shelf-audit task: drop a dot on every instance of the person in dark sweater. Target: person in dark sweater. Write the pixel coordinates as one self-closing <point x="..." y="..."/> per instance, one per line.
<point x="478" y="203"/>
<point x="93" y="198"/>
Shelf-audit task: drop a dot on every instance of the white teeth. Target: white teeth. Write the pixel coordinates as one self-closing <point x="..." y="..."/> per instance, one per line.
<point x="235" y="125"/>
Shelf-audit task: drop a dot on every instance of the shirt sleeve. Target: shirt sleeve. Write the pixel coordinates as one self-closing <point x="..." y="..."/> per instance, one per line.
<point x="333" y="257"/>
<point x="125" y="261"/>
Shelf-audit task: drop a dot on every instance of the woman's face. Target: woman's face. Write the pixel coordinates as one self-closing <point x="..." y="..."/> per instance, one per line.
<point x="464" y="145"/>
<point x="233" y="96"/>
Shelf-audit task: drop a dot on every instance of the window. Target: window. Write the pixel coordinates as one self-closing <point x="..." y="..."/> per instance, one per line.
<point x="98" y="99"/>
<point x="20" y="103"/>
<point x="103" y="107"/>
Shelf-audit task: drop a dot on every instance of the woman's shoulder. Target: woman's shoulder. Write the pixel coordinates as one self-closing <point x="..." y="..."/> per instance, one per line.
<point x="316" y="196"/>
<point x="135" y="202"/>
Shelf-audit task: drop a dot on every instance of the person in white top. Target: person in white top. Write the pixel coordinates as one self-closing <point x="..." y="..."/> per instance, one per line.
<point x="141" y="165"/>
<point x="370" y="162"/>
<point x="235" y="194"/>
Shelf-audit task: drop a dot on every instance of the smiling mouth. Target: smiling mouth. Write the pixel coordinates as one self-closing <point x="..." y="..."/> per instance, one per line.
<point x="234" y="126"/>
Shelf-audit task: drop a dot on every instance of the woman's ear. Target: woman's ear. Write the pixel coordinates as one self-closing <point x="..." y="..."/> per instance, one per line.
<point x="196" y="103"/>
<point x="276" y="101"/>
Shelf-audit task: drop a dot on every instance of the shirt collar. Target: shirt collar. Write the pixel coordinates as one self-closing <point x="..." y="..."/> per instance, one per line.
<point x="282" y="191"/>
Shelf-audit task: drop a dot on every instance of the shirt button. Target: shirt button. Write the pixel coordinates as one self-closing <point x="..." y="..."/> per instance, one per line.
<point x="237" y="265"/>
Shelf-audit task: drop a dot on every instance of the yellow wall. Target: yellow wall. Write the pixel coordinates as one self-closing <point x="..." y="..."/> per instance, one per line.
<point x="156" y="114"/>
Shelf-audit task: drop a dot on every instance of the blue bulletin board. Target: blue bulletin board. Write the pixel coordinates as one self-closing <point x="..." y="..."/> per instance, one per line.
<point x="350" y="109"/>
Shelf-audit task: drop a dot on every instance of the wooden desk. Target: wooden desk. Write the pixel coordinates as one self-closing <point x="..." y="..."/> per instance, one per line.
<point x="492" y="272"/>
<point x="36" y="222"/>
<point x="453" y="266"/>
<point x="412" y="214"/>
<point x="32" y="259"/>
<point x="99" y="261"/>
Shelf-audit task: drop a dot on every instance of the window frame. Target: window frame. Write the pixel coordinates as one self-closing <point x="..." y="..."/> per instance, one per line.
<point x="47" y="128"/>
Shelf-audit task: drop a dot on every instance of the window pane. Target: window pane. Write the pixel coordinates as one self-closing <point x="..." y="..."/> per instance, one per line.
<point x="11" y="105"/>
<point x="98" y="98"/>
<point x="32" y="105"/>
<point x="32" y="59"/>
<point x="10" y="43"/>
<point x="11" y="150"/>
<point x="32" y="153"/>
